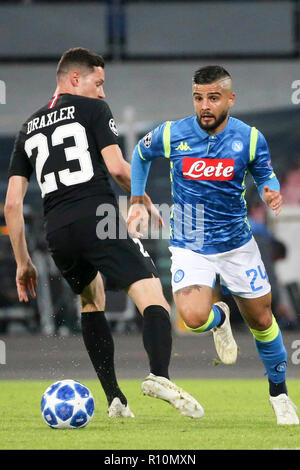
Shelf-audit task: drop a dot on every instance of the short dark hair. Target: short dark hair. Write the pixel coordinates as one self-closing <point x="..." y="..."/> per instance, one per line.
<point x="79" y="56"/>
<point x="210" y="74"/>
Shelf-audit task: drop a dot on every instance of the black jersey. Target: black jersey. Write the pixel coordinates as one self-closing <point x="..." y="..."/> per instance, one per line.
<point x="62" y="141"/>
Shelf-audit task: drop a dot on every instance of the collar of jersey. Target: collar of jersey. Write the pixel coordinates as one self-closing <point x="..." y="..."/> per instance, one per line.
<point x="204" y="135"/>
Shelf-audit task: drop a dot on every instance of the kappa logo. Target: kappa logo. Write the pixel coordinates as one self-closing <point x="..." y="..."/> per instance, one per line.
<point x="113" y="127"/>
<point x="183" y="146"/>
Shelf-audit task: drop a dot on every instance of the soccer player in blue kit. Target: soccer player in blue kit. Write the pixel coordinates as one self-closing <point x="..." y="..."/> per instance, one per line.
<point x="210" y="154"/>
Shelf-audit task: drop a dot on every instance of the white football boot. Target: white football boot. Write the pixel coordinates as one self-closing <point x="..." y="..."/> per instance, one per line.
<point x="118" y="410"/>
<point x="160" y="387"/>
<point x="225" y="344"/>
<point x="285" y="409"/>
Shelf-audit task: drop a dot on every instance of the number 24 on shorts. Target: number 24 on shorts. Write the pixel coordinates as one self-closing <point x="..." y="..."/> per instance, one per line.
<point x="255" y="276"/>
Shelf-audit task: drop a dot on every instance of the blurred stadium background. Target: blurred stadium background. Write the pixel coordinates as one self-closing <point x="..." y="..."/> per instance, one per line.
<point x="152" y="50"/>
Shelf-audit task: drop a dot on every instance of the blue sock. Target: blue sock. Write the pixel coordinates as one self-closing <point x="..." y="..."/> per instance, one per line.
<point x="270" y="347"/>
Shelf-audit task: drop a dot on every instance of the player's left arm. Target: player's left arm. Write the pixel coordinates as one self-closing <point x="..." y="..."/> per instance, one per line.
<point x="147" y="149"/>
<point x="265" y="179"/>
<point x="117" y="166"/>
<point x="272" y="198"/>
<point x="26" y="275"/>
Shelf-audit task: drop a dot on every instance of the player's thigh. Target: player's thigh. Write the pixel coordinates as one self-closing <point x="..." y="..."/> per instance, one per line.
<point x="124" y="263"/>
<point x="146" y="292"/>
<point x="242" y="272"/>
<point x="256" y="312"/>
<point x="193" y="279"/>
<point x="194" y="304"/>
<point x="92" y="298"/>
<point x="121" y="260"/>
<point x="66" y="254"/>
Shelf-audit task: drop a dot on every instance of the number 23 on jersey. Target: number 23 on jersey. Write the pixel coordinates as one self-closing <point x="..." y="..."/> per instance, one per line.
<point x="77" y="152"/>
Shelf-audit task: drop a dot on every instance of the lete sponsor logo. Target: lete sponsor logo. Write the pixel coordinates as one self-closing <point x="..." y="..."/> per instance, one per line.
<point x="208" y="169"/>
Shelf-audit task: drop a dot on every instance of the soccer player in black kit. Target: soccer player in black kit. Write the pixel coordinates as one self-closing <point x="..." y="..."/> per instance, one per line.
<point x="72" y="144"/>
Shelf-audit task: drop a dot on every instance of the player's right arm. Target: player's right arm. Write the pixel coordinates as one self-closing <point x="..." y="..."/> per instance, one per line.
<point x="20" y="171"/>
<point x="120" y="170"/>
<point x="26" y="275"/>
<point x="106" y="134"/>
<point x="148" y="148"/>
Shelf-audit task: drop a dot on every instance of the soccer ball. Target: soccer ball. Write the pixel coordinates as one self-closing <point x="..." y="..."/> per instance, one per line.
<point x="67" y="404"/>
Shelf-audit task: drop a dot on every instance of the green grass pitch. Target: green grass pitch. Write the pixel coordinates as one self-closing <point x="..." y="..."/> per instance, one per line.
<point x="237" y="416"/>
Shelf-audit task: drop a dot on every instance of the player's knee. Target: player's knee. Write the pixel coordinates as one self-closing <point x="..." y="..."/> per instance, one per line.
<point x="159" y="302"/>
<point x="194" y="322"/>
<point x="263" y="321"/>
<point x="194" y="318"/>
<point x="88" y="305"/>
<point x="147" y="292"/>
<point x="165" y="305"/>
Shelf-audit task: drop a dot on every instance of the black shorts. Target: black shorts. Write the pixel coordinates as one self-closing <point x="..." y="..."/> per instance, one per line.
<point x="80" y="254"/>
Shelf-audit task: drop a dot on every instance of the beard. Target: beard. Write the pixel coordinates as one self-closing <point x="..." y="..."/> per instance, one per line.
<point x="215" y="124"/>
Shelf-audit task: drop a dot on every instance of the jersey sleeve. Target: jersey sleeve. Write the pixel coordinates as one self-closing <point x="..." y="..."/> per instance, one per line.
<point x="103" y="125"/>
<point x="19" y="162"/>
<point x="151" y="146"/>
<point x="260" y="166"/>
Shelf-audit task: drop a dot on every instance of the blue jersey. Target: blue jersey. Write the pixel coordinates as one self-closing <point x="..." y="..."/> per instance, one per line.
<point x="207" y="173"/>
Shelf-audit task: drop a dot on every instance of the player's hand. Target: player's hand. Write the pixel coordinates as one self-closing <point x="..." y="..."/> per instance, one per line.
<point x="137" y="220"/>
<point x="273" y="199"/>
<point x="156" y="219"/>
<point x="26" y="280"/>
